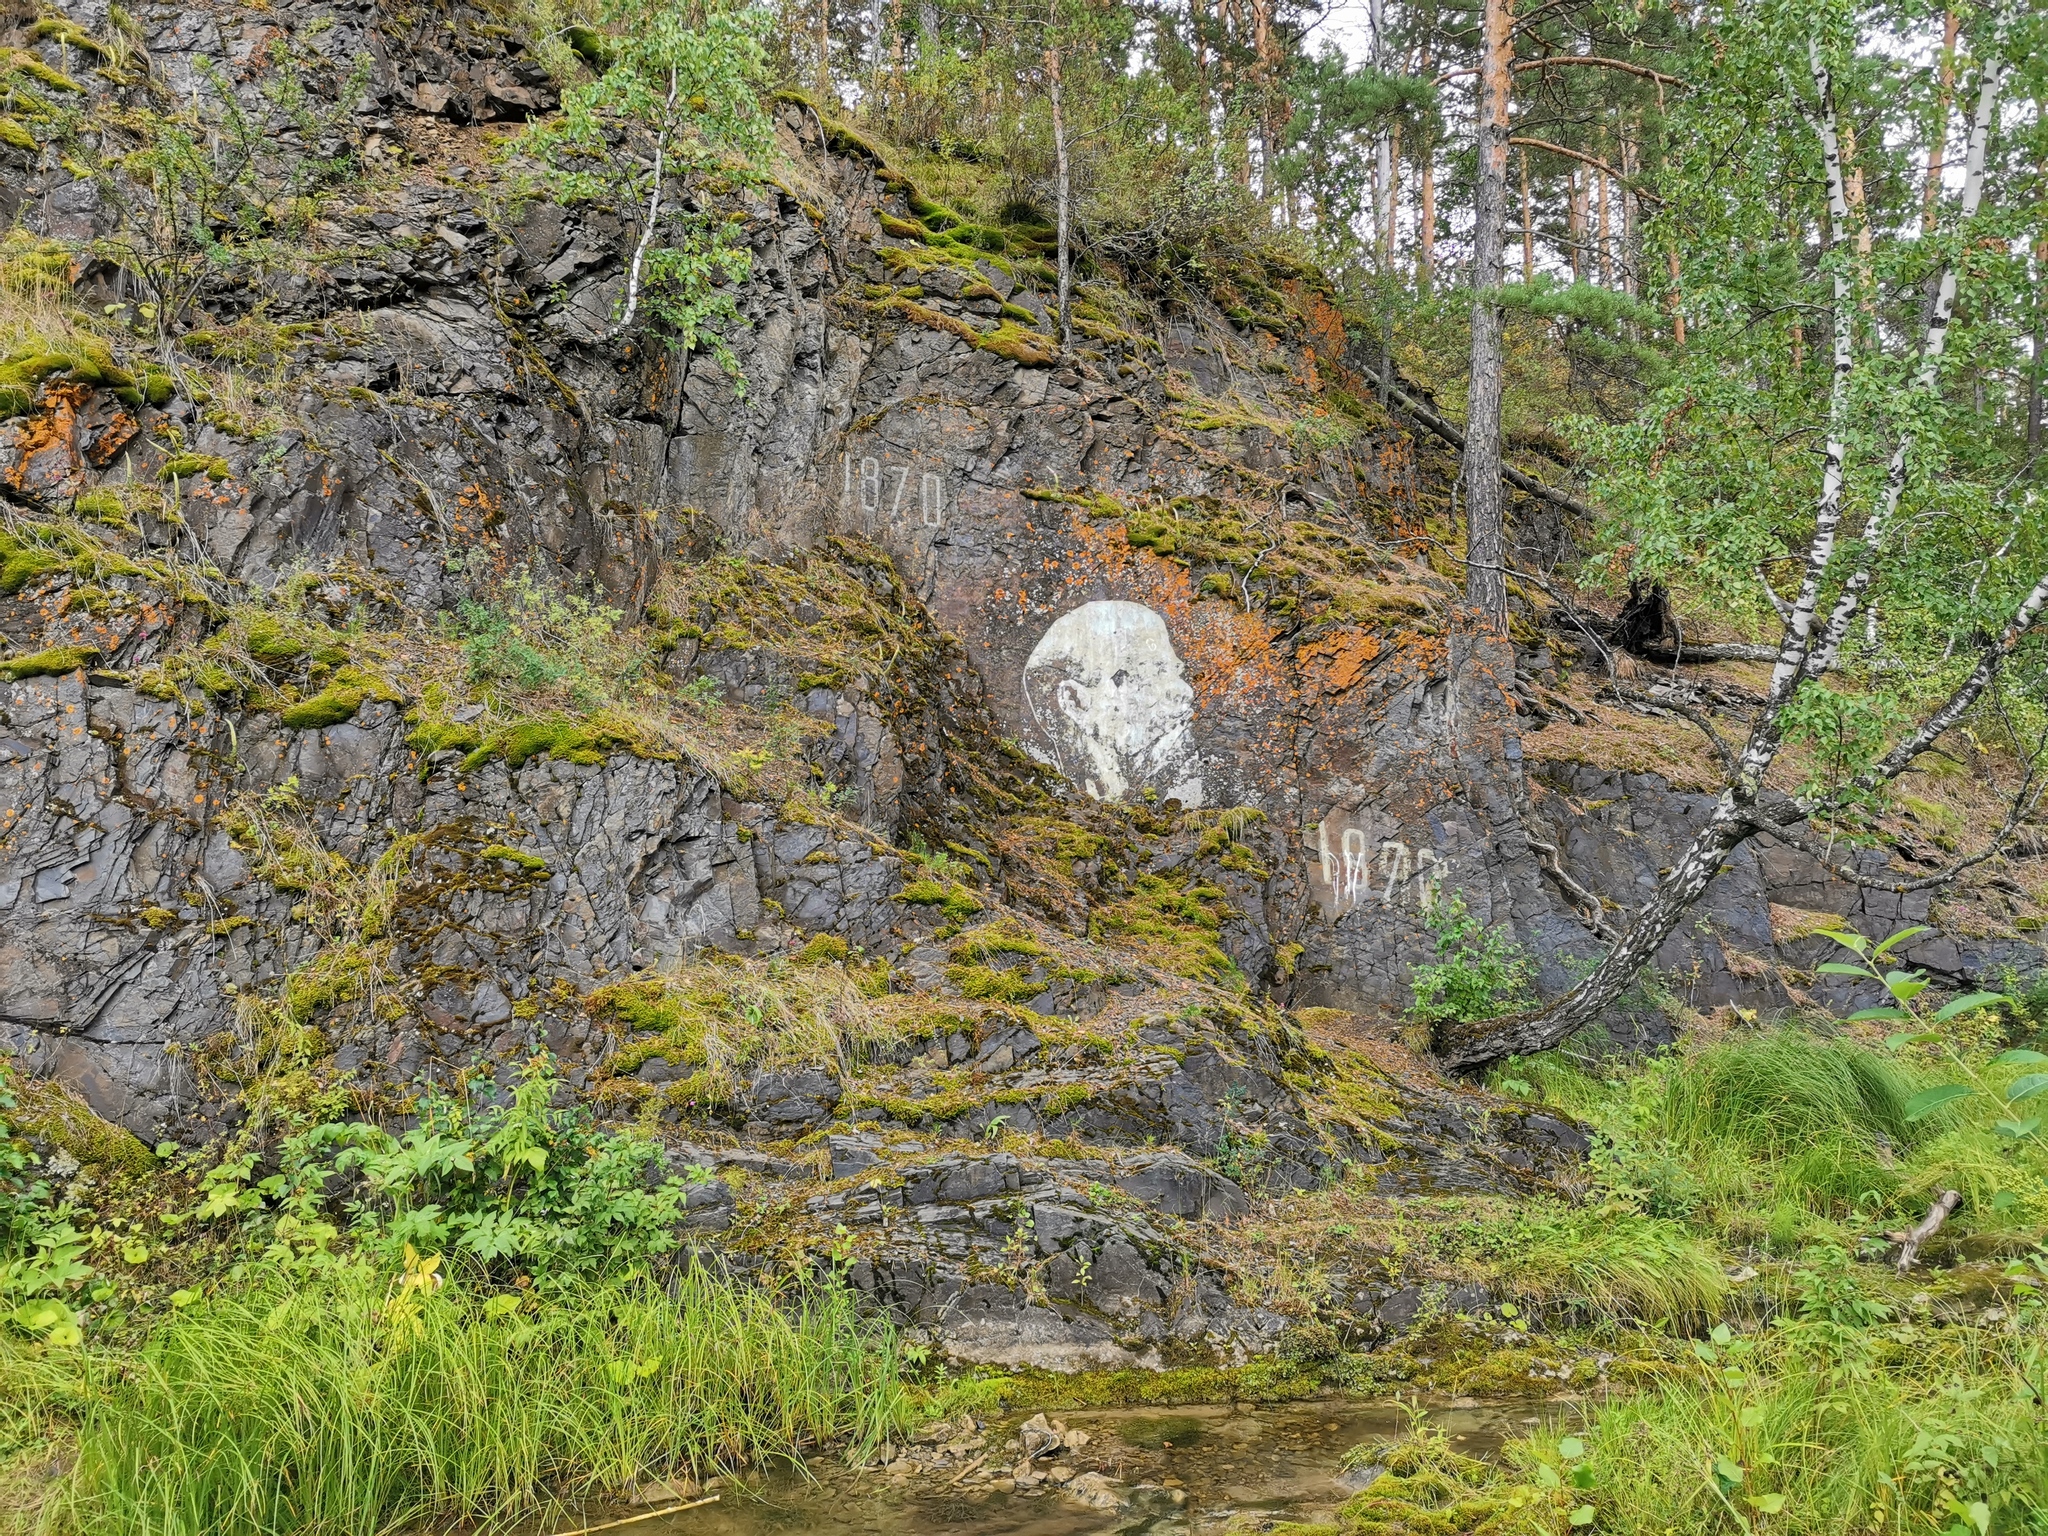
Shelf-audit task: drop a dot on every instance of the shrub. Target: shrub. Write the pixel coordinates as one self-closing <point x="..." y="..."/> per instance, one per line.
<point x="1479" y="972"/>
<point x="519" y="1186"/>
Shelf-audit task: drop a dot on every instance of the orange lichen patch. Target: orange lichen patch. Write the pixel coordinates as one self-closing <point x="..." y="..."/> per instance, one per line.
<point x="46" y="449"/>
<point x="121" y="430"/>
<point x="1229" y="652"/>
<point x="1322" y="323"/>
<point x="1339" y="661"/>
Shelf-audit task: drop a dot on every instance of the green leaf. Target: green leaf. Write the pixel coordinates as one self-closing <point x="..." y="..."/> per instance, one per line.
<point x="1768" y="1503"/>
<point x="1846" y="939"/>
<point x="1888" y="1015"/>
<point x="1896" y="939"/>
<point x="1905" y="985"/>
<point x="1839" y="968"/>
<point x="1722" y="1334"/>
<point x="1571" y="1447"/>
<point x="1727" y="1470"/>
<point x="1546" y="1476"/>
<point x="1970" y="1004"/>
<point x="1918" y="1037"/>
<point x="2026" y="1087"/>
<point x="1583" y="1515"/>
<point x="2020" y="1057"/>
<point x="2004" y="1200"/>
<point x="1921" y="1105"/>
<point x="2018" y="1128"/>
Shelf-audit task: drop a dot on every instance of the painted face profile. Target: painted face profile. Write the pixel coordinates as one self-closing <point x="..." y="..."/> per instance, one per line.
<point x="1112" y="704"/>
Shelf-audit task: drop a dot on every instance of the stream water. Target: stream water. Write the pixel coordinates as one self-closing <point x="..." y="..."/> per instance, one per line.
<point x="1188" y="1471"/>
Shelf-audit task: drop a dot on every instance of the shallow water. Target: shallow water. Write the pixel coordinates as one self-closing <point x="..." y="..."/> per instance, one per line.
<point x="1230" y="1465"/>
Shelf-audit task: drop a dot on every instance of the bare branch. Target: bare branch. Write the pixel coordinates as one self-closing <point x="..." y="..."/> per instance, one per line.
<point x="1896" y="761"/>
<point x="1526" y="483"/>
<point x="1937" y="1213"/>
<point x="1588" y="58"/>
<point x="2022" y="806"/>
<point x="1686" y="712"/>
<point x="1588" y="904"/>
<point x="1783" y="608"/>
<point x="1584" y="159"/>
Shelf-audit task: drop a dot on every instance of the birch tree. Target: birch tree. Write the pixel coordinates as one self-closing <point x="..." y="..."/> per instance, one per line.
<point x="1888" y="454"/>
<point x="678" y="97"/>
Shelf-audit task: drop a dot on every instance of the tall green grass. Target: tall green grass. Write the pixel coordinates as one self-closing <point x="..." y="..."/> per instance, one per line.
<point x="1822" y="1430"/>
<point x="1783" y="1137"/>
<point x="352" y="1405"/>
<point x="1785" y="1091"/>
<point x="1607" y="1262"/>
<point x="1803" y="1430"/>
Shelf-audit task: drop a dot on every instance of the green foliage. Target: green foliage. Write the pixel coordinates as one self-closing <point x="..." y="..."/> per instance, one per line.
<point x="1479" y="972"/>
<point x="223" y="187"/>
<point x="1848" y="729"/>
<point x="520" y="1186"/>
<point x="24" y="1198"/>
<point x="42" y="1255"/>
<point x="677" y="101"/>
<point x="360" y="1400"/>
<point x="1837" y="1419"/>
<point x="538" y="637"/>
<point x="1925" y="1028"/>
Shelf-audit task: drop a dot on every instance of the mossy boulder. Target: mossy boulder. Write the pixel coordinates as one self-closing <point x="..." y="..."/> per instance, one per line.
<point x="60" y="1120"/>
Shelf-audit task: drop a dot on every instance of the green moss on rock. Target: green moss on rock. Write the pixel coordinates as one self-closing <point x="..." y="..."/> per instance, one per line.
<point x="331" y="706"/>
<point x="51" y="663"/>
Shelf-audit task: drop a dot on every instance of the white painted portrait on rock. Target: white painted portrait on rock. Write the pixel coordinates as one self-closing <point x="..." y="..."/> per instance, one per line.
<point x="1112" y="705"/>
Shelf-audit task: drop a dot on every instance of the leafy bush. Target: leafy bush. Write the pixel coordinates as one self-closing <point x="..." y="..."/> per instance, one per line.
<point x="1479" y="973"/>
<point x="540" y="639"/>
<point x="520" y="1187"/>
<point x="41" y="1253"/>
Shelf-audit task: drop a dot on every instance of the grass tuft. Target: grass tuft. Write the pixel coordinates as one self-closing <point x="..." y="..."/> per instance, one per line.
<point x="352" y="1405"/>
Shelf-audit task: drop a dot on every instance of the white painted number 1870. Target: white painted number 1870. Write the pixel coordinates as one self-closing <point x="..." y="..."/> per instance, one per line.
<point x="879" y="482"/>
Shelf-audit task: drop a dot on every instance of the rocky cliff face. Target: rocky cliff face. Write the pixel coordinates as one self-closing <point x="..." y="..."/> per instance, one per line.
<point x="261" y="826"/>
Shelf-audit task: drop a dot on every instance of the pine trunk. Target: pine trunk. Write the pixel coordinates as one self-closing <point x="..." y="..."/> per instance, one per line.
<point x="1486" y="585"/>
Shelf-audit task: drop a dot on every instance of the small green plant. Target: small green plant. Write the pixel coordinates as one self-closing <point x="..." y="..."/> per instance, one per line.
<point x="541" y="639"/>
<point x="1925" y="1029"/>
<point x="1480" y="973"/>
